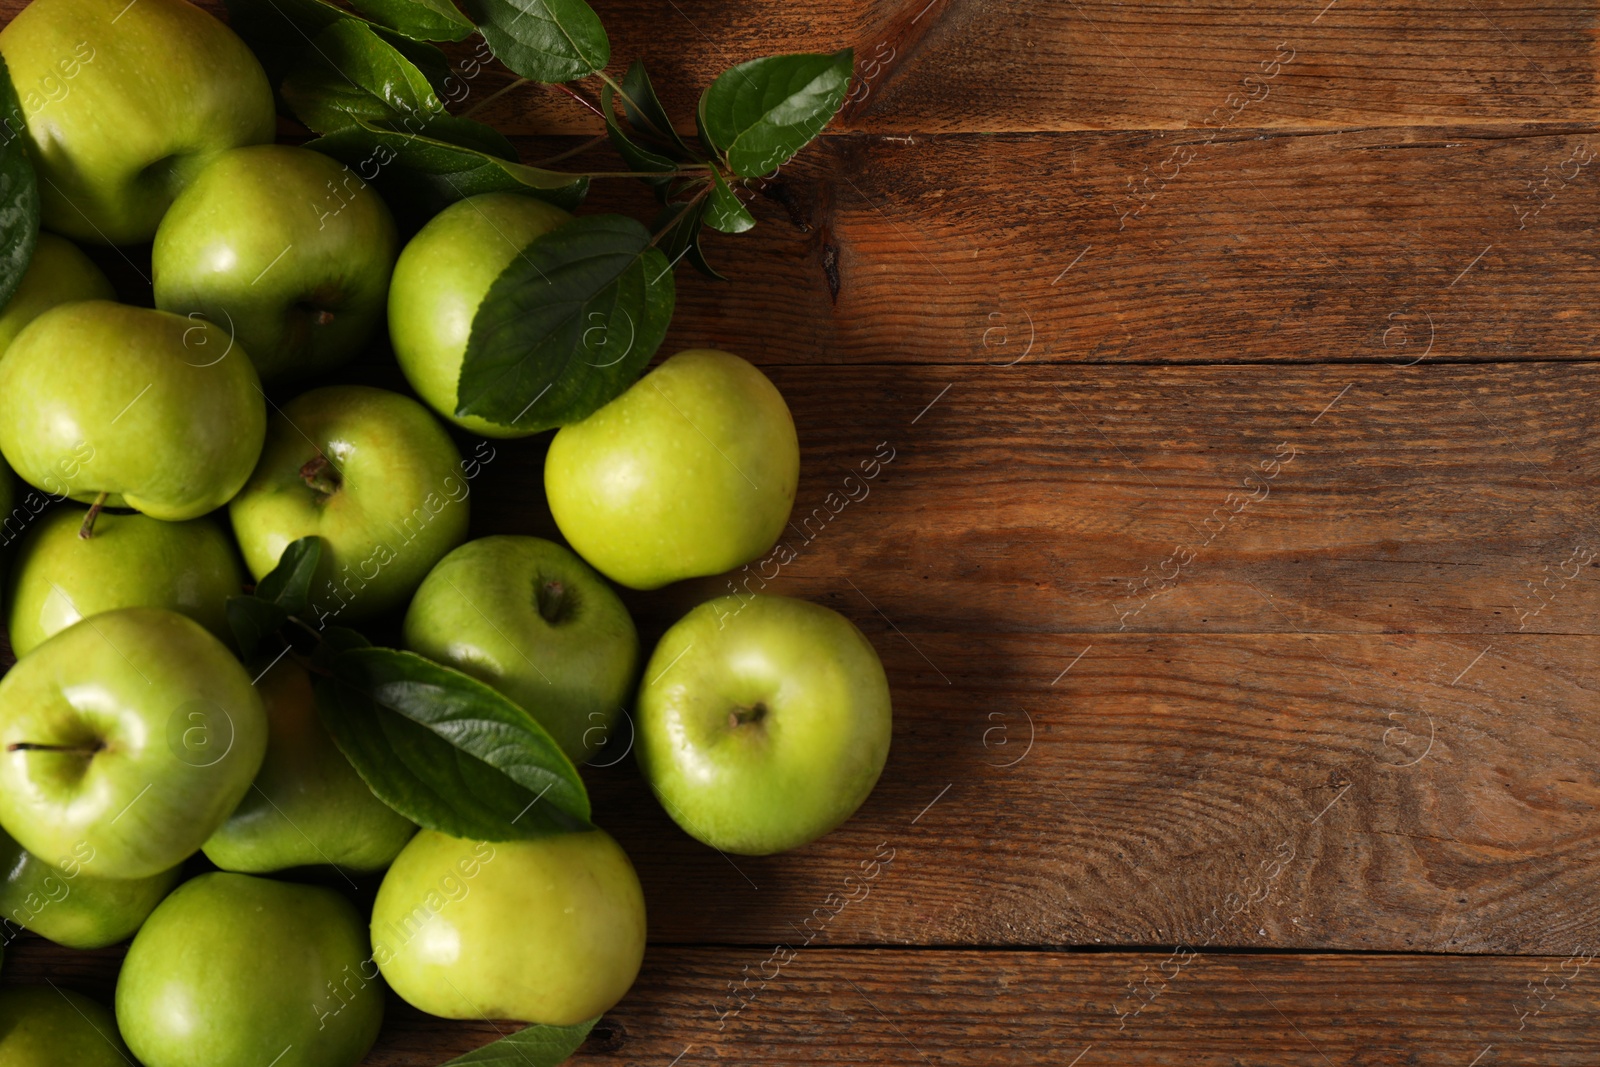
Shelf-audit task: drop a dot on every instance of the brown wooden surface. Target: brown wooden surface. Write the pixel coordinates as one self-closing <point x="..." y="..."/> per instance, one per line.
<point x="1333" y="721"/>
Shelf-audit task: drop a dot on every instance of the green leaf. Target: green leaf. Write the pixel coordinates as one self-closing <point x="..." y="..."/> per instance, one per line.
<point x="252" y="622"/>
<point x="679" y="226"/>
<point x="447" y="751"/>
<point x="422" y="20"/>
<point x="643" y="108"/>
<point x="288" y="585"/>
<point x="759" y="114"/>
<point x="418" y="175"/>
<point x="350" y="73"/>
<point x="19" y="192"/>
<point x="724" y="210"/>
<point x="567" y="326"/>
<point x="282" y="592"/>
<point x="543" y="40"/>
<point x="278" y="31"/>
<point x="533" y="1046"/>
<point x="636" y="156"/>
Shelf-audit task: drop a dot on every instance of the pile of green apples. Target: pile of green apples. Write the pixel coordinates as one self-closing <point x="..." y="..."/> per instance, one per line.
<point x="165" y="779"/>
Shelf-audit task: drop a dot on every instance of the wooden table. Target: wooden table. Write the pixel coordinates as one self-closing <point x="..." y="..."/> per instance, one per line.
<point x="1234" y="568"/>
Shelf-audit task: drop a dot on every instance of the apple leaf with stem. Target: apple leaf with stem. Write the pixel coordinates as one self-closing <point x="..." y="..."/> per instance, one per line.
<point x="568" y="325"/>
<point x="19" y="192"/>
<point x="636" y="156"/>
<point x="418" y="175"/>
<point x="424" y="20"/>
<point x="538" y="1045"/>
<point x="543" y="40"/>
<point x="447" y="751"/>
<point x="757" y="115"/>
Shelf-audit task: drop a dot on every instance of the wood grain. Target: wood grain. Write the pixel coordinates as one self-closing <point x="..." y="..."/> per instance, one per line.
<point x="1072" y="499"/>
<point x="963" y="66"/>
<point x="863" y="1006"/>
<point x="1360" y="246"/>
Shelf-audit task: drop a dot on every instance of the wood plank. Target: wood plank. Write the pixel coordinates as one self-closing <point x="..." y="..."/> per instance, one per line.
<point x="857" y="1006"/>
<point x="961" y="66"/>
<point x="1359" y="246"/>
<point x="1094" y="500"/>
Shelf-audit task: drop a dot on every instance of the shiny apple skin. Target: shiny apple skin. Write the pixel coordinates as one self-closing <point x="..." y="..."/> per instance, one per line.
<point x="59" y="273"/>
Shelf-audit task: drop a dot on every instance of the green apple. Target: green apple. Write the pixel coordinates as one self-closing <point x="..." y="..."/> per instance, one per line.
<point x="47" y="1026"/>
<point x="70" y="907"/>
<point x="442" y="276"/>
<point x="308" y="807"/>
<point x="285" y="248"/>
<point x="232" y="969"/>
<point x="58" y="274"/>
<point x="150" y="409"/>
<point x="763" y="722"/>
<point x="690" y="472"/>
<point x="125" y="740"/>
<point x="132" y="560"/>
<point x="531" y="619"/>
<point x="547" y="931"/>
<point x="371" y="473"/>
<point x="125" y="103"/>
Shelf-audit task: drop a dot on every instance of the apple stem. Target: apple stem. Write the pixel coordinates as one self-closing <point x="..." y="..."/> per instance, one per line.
<point x="320" y="474"/>
<point x="76" y="750"/>
<point x="86" y="531"/>
<point x="552" y="597"/>
<point x="742" y="716"/>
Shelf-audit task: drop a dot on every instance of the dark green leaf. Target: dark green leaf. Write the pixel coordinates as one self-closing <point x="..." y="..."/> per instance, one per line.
<point x="350" y="73"/>
<point x="278" y="31"/>
<point x="419" y="175"/>
<point x="637" y="157"/>
<point x="19" y="192"/>
<point x="253" y="622"/>
<point x="288" y="585"/>
<point x="644" y="110"/>
<point x="724" y="210"/>
<point x="543" y="40"/>
<point x="759" y="114"/>
<point x="447" y="751"/>
<point x="567" y="326"/>
<point x="423" y="20"/>
<point x="533" y="1046"/>
<point x="679" y="226"/>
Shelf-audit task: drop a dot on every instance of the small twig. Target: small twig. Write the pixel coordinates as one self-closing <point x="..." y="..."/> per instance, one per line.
<point x="86" y="531"/>
<point x="492" y="97"/>
<point x="687" y="206"/>
<point x="569" y="153"/>
<point x="580" y="98"/>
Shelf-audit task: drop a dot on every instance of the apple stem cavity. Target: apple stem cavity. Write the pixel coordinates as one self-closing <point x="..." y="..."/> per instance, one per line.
<point x="743" y="716"/>
<point x="75" y="750"/>
<point x="554" y="600"/>
<point x="86" y="531"/>
<point x="320" y="474"/>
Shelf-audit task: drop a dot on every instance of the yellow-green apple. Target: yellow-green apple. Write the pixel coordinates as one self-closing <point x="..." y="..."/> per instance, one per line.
<point x="58" y="274"/>
<point x="124" y="103"/>
<point x="549" y="930"/>
<point x="763" y="722"/>
<point x="371" y="473"/>
<point x="690" y="472"/>
<point x="59" y="577"/>
<point x="285" y="248"/>
<point x="133" y="733"/>
<point x="234" y="969"/>
<point x="534" y="621"/>
<point x="150" y="409"/>
<point x="440" y="279"/>
<point x="308" y="807"/>
<point x="60" y="902"/>
<point x="41" y="1026"/>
